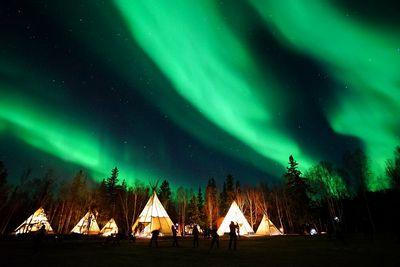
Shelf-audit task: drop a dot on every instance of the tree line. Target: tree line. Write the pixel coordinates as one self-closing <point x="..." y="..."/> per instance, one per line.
<point x="303" y="200"/>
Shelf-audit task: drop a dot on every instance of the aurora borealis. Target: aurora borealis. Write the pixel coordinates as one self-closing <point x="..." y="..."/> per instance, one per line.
<point x="187" y="90"/>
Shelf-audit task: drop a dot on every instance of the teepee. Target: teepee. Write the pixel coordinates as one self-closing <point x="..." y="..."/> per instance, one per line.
<point x="266" y="227"/>
<point x="87" y="225"/>
<point x="153" y="217"/>
<point x="34" y="223"/>
<point x="110" y="228"/>
<point x="235" y="215"/>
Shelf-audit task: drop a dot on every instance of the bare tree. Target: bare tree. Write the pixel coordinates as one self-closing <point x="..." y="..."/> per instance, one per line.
<point x="140" y="196"/>
<point x="253" y="201"/>
<point x="182" y="199"/>
<point x="211" y="202"/>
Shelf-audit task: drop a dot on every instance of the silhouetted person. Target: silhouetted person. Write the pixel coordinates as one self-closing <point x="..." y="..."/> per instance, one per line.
<point x="175" y="238"/>
<point x="154" y="238"/>
<point x="232" y="235"/>
<point x="38" y="238"/>
<point x="215" y="237"/>
<point x="195" y="233"/>
<point x="206" y="232"/>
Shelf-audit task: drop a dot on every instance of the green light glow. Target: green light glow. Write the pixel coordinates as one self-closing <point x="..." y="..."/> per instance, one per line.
<point x="38" y="130"/>
<point x="326" y="181"/>
<point x="212" y="69"/>
<point x="193" y="64"/>
<point x="365" y="60"/>
<point x="55" y="134"/>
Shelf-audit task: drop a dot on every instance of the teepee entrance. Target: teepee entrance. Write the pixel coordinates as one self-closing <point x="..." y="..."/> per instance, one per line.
<point x="110" y="228"/>
<point x="87" y="225"/>
<point x="153" y="217"/>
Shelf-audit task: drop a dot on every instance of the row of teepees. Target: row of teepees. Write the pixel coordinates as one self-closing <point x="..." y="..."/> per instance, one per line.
<point x="153" y="217"/>
<point x="235" y="215"/>
<point x="87" y="225"/>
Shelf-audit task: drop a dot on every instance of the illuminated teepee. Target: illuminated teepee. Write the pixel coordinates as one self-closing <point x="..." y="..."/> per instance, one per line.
<point x="153" y="217"/>
<point x="110" y="228"/>
<point x="87" y="225"/>
<point x="235" y="215"/>
<point x="34" y="223"/>
<point x="266" y="227"/>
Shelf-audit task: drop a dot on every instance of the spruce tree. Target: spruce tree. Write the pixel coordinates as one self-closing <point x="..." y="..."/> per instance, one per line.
<point x="111" y="189"/>
<point x="228" y="194"/>
<point x="193" y="211"/>
<point x="200" y="200"/>
<point x="200" y="207"/>
<point x="296" y="191"/>
<point x="223" y="200"/>
<point x="164" y="194"/>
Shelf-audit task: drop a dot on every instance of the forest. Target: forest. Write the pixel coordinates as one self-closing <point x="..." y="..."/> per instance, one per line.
<point x="304" y="200"/>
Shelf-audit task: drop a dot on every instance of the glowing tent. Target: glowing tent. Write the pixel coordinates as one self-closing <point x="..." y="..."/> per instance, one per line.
<point x="235" y="215"/>
<point x="110" y="228"/>
<point x="34" y="223"/>
<point x="87" y="225"/>
<point x="153" y="217"/>
<point x="266" y="227"/>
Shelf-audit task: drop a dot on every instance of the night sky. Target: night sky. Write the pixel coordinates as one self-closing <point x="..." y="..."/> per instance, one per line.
<point x="188" y="90"/>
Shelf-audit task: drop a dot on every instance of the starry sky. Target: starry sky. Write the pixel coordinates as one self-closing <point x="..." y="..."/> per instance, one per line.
<point x="188" y="90"/>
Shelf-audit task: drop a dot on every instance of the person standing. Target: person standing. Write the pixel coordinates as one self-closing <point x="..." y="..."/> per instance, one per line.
<point x="154" y="238"/>
<point x="195" y="233"/>
<point x="232" y="235"/>
<point x="215" y="237"/>
<point x="175" y="238"/>
<point x="38" y="238"/>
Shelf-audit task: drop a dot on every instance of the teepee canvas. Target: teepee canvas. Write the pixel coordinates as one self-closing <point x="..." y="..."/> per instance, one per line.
<point x="153" y="217"/>
<point x="266" y="227"/>
<point x="235" y="215"/>
<point x="87" y="225"/>
<point x="110" y="228"/>
<point x="34" y="223"/>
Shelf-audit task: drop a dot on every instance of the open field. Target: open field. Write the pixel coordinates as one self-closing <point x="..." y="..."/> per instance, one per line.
<point x="384" y="250"/>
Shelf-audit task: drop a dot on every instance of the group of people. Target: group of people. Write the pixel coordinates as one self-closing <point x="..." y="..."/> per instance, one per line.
<point x="233" y="234"/>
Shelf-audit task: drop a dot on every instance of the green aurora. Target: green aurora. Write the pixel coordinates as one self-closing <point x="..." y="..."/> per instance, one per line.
<point x="194" y="48"/>
<point x="365" y="60"/>
<point x="63" y="138"/>
<point x="193" y="64"/>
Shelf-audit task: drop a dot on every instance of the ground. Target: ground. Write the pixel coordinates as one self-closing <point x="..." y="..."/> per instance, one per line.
<point x="355" y="250"/>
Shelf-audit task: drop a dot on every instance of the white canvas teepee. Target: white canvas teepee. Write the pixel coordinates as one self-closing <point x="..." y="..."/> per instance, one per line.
<point x="235" y="215"/>
<point x="87" y="225"/>
<point x="153" y="217"/>
<point x="110" y="228"/>
<point x="266" y="227"/>
<point x="34" y="223"/>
